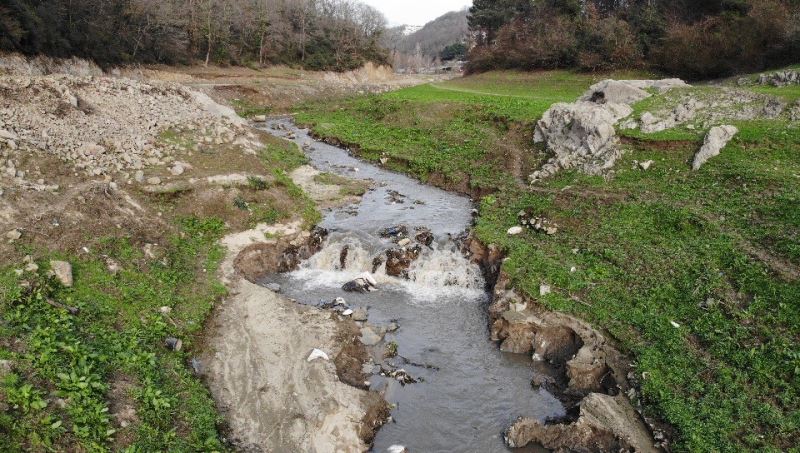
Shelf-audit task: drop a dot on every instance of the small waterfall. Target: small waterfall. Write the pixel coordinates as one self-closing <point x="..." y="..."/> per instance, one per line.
<point x="439" y="271"/>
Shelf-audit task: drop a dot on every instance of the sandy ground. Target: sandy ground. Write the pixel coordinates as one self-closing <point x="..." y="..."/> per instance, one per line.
<point x="258" y="345"/>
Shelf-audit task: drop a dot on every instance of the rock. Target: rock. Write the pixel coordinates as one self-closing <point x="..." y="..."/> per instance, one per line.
<point x="317" y="354"/>
<point x="404" y="242"/>
<point x="63" y="272"/>
<point x="154" y="181"/>
<point x="398" y="260"/>
<point x="396" y="449"/>
<point x="13" y="235"/>
<point x="5" y="368"/>
<point x="515" y="230"/>
<point x="173" y="344"/>
<point x="614" y="91"/>
<point x="369" y="337"/>
<point x="347" y="312"/>
<point x="682" y="113"/>
<point x="260" y="118"/>
<point x="139" y="176"/>
<point x="544" y="289"/>
<point x="581" y="135"/>
<point x="645" y="165"/>
<point x="177" y="169"/>
<point x="359" y="285"/>
<point x="424" y="236"/>
<point x="399" y="231"/>
<point x="715" y="140"/>
<point x="165" y="310"/>
<point x="360" y="314"/>
<point x="274" y="287"/>
<point x="6" y="135"/>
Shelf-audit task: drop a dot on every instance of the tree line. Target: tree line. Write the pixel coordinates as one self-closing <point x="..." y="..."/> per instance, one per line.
<point x="443" y="38"/>
<point x="315" y="34"/>
<point x="695" y="39"/>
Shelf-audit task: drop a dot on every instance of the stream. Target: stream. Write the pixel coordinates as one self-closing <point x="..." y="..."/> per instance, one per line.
<point x="468" y="390"/>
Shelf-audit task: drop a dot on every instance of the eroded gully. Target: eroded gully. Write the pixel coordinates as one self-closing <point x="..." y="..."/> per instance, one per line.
<point x="468" y="390"/>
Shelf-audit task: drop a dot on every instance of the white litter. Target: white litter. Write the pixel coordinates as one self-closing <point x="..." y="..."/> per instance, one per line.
<point x="317" y="354"/>
<point x="396" y="449"/>
<point x="339" y="301"/>
<point x="674" y="324"/>
<point x="348" y="312"/>
<point x="369" y="278"/>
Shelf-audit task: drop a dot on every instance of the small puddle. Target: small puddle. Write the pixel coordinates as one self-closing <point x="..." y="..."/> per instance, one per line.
<point x="469" y="391"/>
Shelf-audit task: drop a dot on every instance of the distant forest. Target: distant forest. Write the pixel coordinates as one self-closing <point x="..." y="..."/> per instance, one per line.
<point x="316" y="34"/>
<point x="694" y="39"/>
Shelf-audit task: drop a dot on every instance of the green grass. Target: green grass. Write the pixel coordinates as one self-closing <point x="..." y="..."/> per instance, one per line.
<point x="651" y="248"/>
<point x="119" y="332"/>
<point x="247" y="109"/>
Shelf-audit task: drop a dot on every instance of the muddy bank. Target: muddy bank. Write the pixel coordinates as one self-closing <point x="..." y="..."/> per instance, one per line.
<point x="576" y="363"/>
<point x="255" y="362"/>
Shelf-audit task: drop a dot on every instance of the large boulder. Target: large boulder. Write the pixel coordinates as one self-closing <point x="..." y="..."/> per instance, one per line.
<point x="715" y="140"/>
<point x="582" y="134"/>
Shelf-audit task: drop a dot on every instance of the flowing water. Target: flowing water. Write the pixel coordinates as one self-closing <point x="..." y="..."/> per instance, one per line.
<point x="469" y="391"/>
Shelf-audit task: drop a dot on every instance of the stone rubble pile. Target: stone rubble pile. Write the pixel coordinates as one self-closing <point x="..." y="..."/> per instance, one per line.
<point x="104" y="125"/>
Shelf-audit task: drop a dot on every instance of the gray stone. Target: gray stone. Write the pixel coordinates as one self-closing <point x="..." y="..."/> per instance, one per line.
<point x="155" y="180"/>
<point x="715" y="140"/>
<point x="13" y="235"/>
<point x="369" y="337"/>
<point x="63" y="272"/>
<point x="360" y="314"/>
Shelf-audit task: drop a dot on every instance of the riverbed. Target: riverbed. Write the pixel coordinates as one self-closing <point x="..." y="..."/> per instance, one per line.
<point x="468" y="391"/>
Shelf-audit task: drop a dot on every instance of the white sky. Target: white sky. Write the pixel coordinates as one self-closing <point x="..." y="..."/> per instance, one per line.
<point x="416" y="12"/>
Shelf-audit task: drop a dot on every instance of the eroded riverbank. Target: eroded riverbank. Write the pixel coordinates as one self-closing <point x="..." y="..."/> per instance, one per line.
<point x="431" y="313"/>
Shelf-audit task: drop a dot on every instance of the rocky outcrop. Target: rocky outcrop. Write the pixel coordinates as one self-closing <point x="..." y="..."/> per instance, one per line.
<point x="682" y="113"/>
<point x="715" y="140"/>
<point x="577" y="364"/>
<point x="780" y="78"/>
<point x="581" y="134"/>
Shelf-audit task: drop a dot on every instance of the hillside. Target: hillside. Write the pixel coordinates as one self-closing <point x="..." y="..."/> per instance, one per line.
<point x="426" y="44"/>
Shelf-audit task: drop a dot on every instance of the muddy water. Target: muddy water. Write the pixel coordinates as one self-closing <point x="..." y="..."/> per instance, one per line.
<point x="469" y="391"/>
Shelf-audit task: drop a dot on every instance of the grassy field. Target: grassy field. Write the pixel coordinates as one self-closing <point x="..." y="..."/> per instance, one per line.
<point x="693" y="273"/>
<point x="72" y="370"/>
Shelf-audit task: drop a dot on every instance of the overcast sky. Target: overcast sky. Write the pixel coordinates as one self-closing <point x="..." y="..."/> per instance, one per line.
<point x="416" y="12"/>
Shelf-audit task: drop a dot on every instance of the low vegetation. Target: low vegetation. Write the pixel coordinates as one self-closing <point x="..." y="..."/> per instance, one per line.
<point x="94" y="366"/>
<point x="694" y="273"/>
<point x="71" y="371"/>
